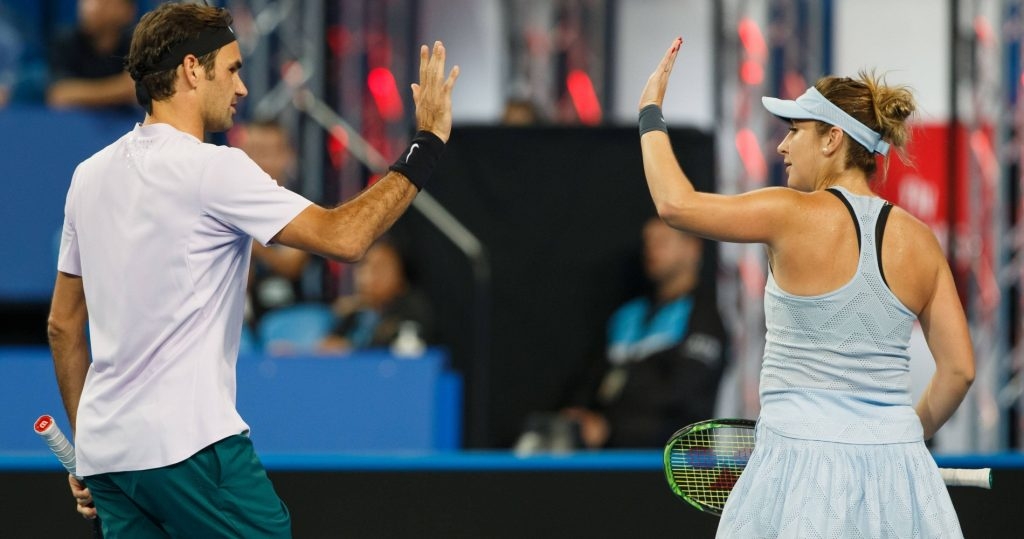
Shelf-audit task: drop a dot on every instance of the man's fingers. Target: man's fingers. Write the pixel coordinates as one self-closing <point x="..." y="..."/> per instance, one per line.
<point x="437" y="62"/>
<point x="432" y="64"/>
<point x="88" y="512"/>
<point x="439" y="52"/>
<point x="424" y="60"/>
<point x="85" y="507"/>
<point x="450" y="83"/>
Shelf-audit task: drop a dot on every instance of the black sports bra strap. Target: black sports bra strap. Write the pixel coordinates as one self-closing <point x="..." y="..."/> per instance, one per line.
<point x="883" y="217"/>
<point x="856" y="222"/>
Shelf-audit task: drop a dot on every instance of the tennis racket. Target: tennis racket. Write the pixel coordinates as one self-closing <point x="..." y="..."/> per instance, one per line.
<point x="704" y="460"/>
<point x="46" y="427"/>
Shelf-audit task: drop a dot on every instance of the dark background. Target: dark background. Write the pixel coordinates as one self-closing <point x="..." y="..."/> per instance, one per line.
<point x="480" y="504"/>
<point x="560" y="211"/>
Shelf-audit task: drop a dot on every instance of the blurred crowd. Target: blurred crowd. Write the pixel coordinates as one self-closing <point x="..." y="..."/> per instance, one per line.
<point x="664" y="353"/>
<point x="67" y="53"/>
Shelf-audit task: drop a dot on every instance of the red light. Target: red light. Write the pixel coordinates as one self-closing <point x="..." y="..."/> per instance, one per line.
<point x="337" y="145"/>
<point x="339" y="39"/>
<point x="984" y="151"/>
<point x="581" y="91"/>
<point x="983" y="30"/>
<point x="750" y="154"/>
<point x="751" y="72"/>
<point x="752" y="39"/>
<point x="385" y="93"/>
<point x="793" y="84"/>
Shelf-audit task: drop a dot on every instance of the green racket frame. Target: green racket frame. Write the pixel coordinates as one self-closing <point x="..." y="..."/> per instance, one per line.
<point x="703" y="461"/>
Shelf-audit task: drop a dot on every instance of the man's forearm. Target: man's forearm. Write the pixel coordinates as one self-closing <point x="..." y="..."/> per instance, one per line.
<point x="71" y="364"/>
<point x="345" y="232"/>
<point x="374" y="210"/>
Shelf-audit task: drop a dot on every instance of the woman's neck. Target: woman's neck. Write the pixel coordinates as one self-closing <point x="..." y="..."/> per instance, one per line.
<point x="853" y="181"/>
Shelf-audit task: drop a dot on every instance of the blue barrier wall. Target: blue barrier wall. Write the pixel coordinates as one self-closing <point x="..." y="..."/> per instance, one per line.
<point x="42" y="148"/>
<point x="316" y="420"/>
<point x="361" y="402"/>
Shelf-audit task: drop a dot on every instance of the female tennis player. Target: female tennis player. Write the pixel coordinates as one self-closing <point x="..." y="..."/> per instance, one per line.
<point x="840" y="447"/>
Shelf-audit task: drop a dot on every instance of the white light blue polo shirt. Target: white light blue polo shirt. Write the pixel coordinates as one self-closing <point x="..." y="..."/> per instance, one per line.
<point x="159" y="227"/>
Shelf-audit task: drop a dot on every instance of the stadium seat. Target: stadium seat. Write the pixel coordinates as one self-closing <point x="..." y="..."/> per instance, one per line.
<point x="296" y="329"/>
<point x="247" y="343"/>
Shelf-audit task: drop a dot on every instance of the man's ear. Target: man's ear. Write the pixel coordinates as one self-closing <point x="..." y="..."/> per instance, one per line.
<point x="191" y="67"/>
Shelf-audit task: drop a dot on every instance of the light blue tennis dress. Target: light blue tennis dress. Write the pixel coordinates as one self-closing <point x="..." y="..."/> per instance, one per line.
<point x="839" y="449"/>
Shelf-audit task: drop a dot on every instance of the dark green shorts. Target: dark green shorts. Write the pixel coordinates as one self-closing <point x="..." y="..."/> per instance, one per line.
<point x="221" y="491"/>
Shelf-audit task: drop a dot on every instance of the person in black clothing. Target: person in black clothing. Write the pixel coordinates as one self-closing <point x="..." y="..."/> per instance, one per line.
<point x="384" y="303"/>
<point x="11" y="48"/>
<point x="277" y="271"/>
<point x="665" y="353"/>
<point x="87" y="62"/>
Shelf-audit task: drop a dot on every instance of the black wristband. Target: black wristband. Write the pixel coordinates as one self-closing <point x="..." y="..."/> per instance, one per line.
<point x="418" y="161"/>
<point x="651" y="119"/>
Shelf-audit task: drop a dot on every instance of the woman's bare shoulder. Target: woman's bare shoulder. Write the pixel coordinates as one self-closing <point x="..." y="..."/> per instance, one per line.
<point x="912" y="258"/>
<point x="906" y="229"/>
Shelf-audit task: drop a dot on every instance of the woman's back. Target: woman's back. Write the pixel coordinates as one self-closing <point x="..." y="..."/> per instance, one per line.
<point x="835" y="363"/>
<point x="822" y="252"/>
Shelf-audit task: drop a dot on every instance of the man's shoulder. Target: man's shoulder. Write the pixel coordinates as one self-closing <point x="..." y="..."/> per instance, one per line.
<point x="172" y="140"/>
<point x="169" y="143"/>
<point x="227" y="160"/>
<point x="103" y="153"/>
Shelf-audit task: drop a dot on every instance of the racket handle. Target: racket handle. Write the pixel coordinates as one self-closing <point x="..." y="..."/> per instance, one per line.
<point x="965" y="477"/>
<point x="46" y="427"/>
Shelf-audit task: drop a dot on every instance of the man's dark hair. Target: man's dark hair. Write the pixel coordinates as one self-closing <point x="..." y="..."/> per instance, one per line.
<point x="160" y="30"/>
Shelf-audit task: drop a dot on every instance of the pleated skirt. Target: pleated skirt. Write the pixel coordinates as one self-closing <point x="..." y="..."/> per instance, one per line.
<point x="796" y="488"/>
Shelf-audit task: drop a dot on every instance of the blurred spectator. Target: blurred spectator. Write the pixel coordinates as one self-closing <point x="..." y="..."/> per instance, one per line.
<point x="384" y="305"/>
<point x="520" y="112"/>
<point x="10" y="56"/>
<point x="276" y="272"/>
<point x="663" y="362"/>
<point x="87" y="62"/>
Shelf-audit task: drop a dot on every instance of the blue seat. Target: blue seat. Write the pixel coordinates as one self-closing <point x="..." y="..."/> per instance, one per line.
<point x="247" y="343"/>
<point x="296" y="329"/>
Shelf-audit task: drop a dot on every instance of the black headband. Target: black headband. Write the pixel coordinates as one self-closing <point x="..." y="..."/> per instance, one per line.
<point x="206" y="41"/>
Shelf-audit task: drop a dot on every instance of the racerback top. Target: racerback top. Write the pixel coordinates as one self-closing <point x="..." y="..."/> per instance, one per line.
<point x="836" y="366"/>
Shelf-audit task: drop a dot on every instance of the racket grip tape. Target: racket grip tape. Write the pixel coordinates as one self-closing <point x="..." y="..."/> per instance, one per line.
<point x="965" y="477"/>
<point x="46" y="427"/>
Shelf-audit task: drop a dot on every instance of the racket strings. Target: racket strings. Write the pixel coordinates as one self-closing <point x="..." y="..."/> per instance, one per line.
<point x="705" y="464"/>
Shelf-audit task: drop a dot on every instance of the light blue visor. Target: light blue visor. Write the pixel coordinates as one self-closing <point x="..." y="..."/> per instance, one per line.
<point x="813" y="106"/>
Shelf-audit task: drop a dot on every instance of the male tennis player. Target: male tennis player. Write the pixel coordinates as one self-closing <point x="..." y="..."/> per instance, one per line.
<point x="154" y="256"/>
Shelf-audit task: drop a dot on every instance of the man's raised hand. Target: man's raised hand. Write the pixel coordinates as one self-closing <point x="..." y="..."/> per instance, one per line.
<point x="433" y="94"/>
